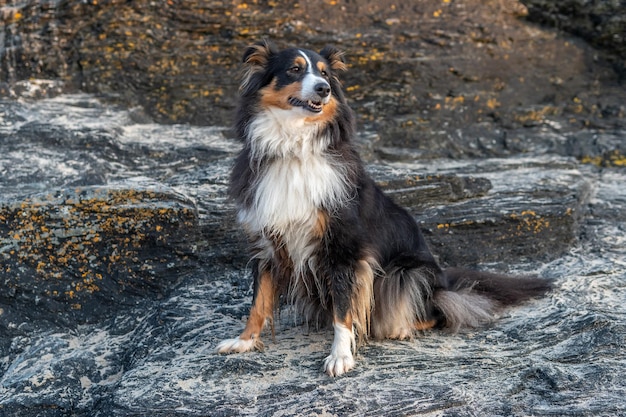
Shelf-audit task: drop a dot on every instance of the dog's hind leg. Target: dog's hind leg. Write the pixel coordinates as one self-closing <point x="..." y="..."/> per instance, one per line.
<point x="261" y="313"/>
<point x="403" y="302"/>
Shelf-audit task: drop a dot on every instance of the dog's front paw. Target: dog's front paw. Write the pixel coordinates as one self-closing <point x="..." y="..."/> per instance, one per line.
<point x="336" y="365"/>
<point x="239" y="345"/>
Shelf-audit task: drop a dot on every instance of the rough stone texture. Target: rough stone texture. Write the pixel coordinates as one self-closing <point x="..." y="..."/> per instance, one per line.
<point x="81" y="250"/>
<point x="82" y="253"/>
<point x="147" y="349"/>
<point x="504" y="139"/>
<point x="602" y="23"/>
<point x="532" y="212"/>
<point x="450" y="78"/>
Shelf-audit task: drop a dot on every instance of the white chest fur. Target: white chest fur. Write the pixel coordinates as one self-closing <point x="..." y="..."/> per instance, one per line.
<point x="289" y="192"/>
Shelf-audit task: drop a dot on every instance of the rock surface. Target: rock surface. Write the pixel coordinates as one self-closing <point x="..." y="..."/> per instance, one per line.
<point x="602" y="23"/>
<point x="450" y="78"/>
<point x="122" y="267"/>
<point x="98" y="215"/>
<point x="147" y="348"/>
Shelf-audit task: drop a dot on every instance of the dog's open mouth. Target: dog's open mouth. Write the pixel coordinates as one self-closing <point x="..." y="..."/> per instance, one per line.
<point x="310" y="105"/>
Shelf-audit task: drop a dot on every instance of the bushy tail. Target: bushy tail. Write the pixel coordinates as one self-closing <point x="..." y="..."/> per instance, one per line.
<point x="474" y="297"/>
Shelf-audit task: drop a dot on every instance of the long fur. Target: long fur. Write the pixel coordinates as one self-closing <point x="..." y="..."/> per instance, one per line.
<point x="323" y="236"/>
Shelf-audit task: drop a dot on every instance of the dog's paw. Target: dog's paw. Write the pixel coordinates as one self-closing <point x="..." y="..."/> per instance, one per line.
<point x="401" y="333"/>
<point x="238" y="345"/>
<point x="336" y="365"/>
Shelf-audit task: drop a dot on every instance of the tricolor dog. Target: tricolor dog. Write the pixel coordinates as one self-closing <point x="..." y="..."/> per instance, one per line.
<point x="323" y="236"/>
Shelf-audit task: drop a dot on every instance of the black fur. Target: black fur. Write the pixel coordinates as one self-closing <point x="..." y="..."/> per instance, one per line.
<point x="408" y="286"/>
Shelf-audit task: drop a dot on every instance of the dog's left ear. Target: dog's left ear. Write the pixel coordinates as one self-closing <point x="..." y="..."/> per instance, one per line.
<point x="335" y="58"/>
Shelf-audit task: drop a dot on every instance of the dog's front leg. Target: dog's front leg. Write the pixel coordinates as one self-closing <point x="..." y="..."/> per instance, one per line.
<point x="262" y="312"/>
<point x="350" y="280"/>
<point x="340" y="359"/>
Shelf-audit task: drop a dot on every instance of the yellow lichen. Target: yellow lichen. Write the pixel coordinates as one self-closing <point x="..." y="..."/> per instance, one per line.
<point x="528" y="221"/>
<point x="453" y="102"/>
<point x="50" y="245"/>
<point x="611" y="159"/>
<point x="493" y="103"/>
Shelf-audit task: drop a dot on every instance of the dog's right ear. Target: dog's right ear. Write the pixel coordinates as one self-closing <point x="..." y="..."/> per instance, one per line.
<point x="255" y="60"/>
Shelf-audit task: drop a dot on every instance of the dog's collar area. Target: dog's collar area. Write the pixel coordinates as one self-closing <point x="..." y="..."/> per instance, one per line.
<point x="310" y="105"/>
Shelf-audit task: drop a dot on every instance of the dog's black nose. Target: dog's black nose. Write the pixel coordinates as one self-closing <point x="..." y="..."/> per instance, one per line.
<point x="322" y="89"/>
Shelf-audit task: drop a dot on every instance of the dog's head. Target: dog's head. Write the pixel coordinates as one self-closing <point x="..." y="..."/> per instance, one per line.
<point x="297" y="80"/>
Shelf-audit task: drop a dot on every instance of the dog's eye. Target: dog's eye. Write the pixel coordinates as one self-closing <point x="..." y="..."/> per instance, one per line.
<point x="295" y="69"/>
<point x="324" y="74"/>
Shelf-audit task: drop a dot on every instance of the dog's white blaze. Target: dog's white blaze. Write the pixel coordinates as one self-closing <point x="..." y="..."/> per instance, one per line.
<point x="309" y="66"/>
<point x="340" y="359"/>
<point x="310" y="80"/>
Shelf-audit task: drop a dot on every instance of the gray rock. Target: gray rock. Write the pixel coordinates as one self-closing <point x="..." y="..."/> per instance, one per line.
<point x="602" y="23"/>
<point x="77" y="254"/>
<point x="447" y="78"/>
<point x="147" y="349"/>
<point x="505" y="140"/>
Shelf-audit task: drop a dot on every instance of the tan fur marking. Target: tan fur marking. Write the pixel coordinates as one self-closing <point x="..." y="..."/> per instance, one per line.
<point x="255" y="63"/>
<point x="321" y="67"/>
<point x="273" y="97"/>
<point x="328" y="113"/>
<point x="300" y="61"/>
<point x="362" y="302"/>
<point x="321" y="224"/>
<point x="346" y="321"/>
<point x="425" y="325"/>
<point x="262" y="310"/>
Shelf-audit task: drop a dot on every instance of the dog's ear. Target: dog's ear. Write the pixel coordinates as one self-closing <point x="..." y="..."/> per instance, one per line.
<point x="335" y="58"/>
<point x="258" y="53"/>
<point x="255" y="60"/>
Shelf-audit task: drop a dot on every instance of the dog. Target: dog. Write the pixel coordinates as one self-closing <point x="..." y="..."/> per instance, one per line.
<point x="323" y="235"/>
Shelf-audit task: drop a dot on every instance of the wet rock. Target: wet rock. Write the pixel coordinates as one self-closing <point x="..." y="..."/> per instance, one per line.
<point x="82" y="232"/>
<point x="519" y="210"/>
